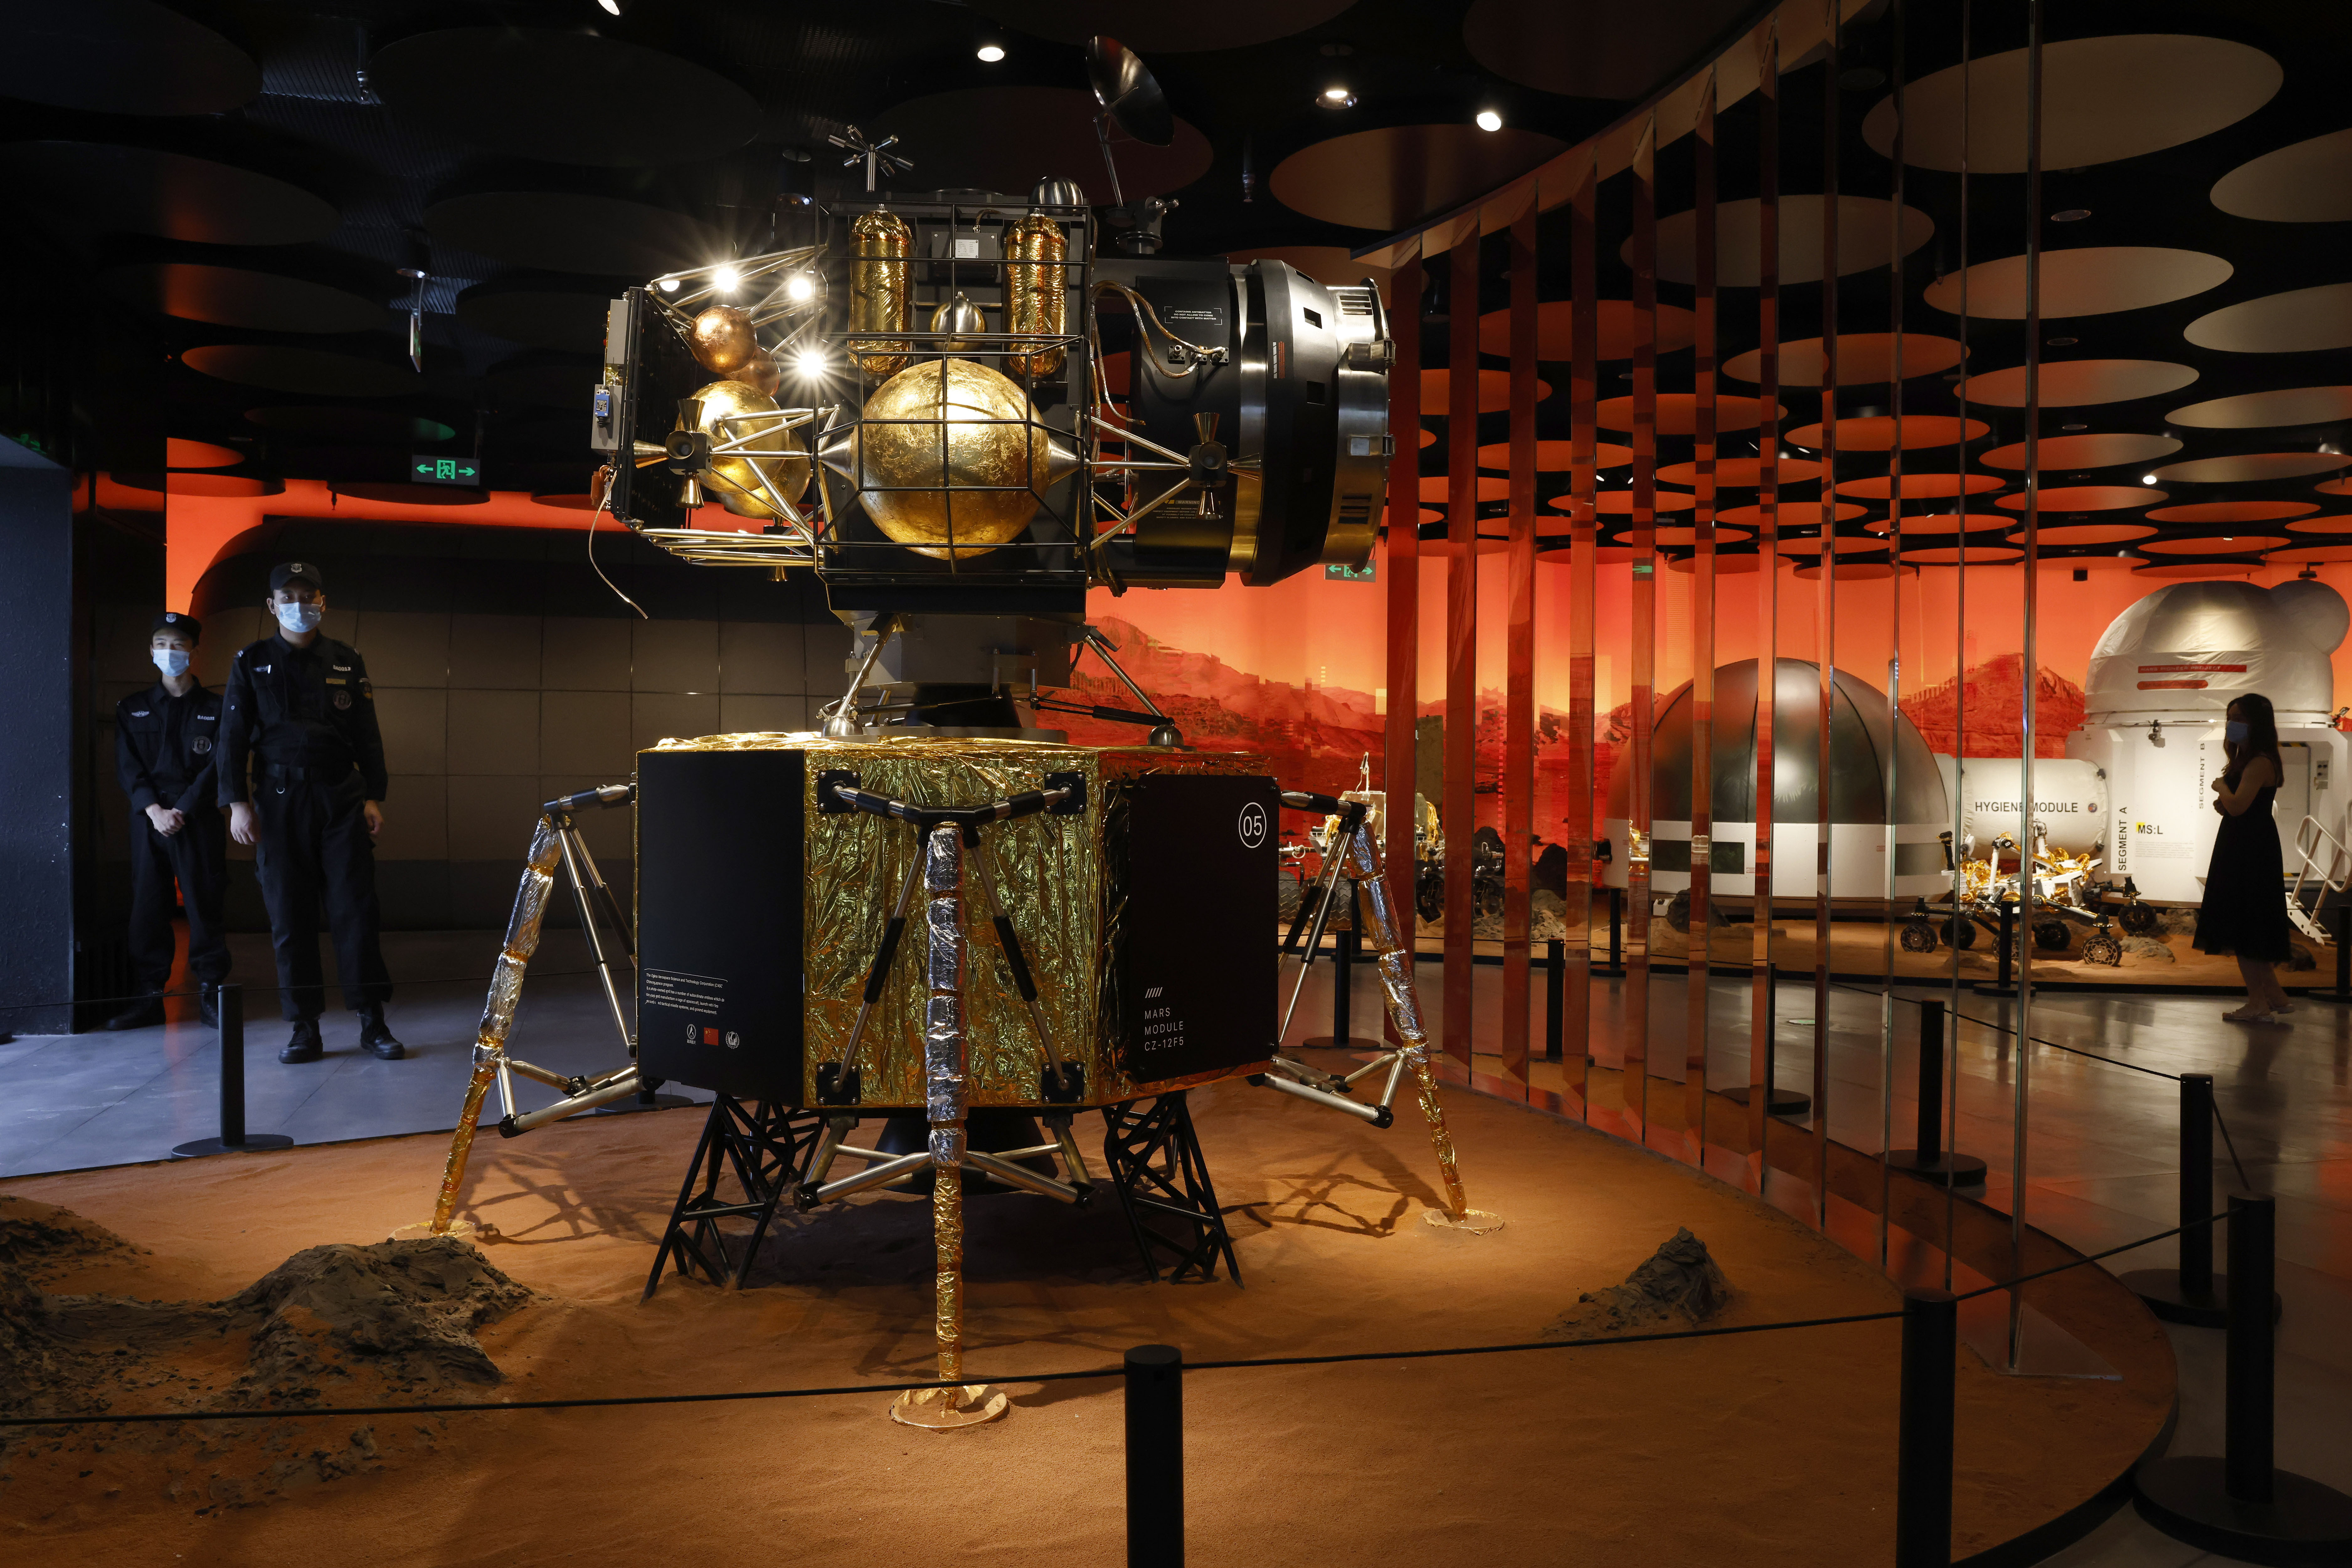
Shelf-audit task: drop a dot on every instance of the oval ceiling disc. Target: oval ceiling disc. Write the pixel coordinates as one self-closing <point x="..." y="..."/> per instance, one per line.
<point x="2105" y="452"/>
<point x="1791" y="514"/>
<point x="2091" y="280"/>
<point x="243" y="297"/>
<point x="1961" y="555"/>
<point x="1001" y="139"/>
<point x="1863" y="357"/>
<point x="2251" y="468"/>
<point x="1493" y="392"/>
<point x="181" y="452"/>
<point x="123" y="57"/>
<point x="1919" y="523"/>
<point x="2233" y="512"/>
<point x="1677" y="411"/>
<point x="562" y="96"/>
<point x="2259" y="410"/>
<point x="2309" y="181"/>
<point x="2053" y="501"/>
<point x="140" y="190"/>
<point x="2335" y="522"/>
<point x="1875" y="432"/>
<point x="2103" y="99"/>
<point x="2216" y="544"/>
<point x="1556" y="457"/>
<point x="398" y="494"/>
<point x="1743" y="473"/>
<point x="1155" y="26"/>
<point x="1863" y="240"/>
<point x="1439" y="488"/>
<point x="569" y="231"/>
<point x="386" y="426"/>
<point x="1620" y="502"/>
<point x="1592" y="51"/>
<point x="1616" y="329"/>
<point x="540" y="313"/>
<point x="2293" y="322"/>
<point x="1919" y="487"/>
<point x="1395" y="176"/>
<point x="313" y="372"/>
<point x="1677" y="536"/>
<point x="2065" y="534"/>
<point x="2070" y="384"/>
<point x="2217" y="568"/>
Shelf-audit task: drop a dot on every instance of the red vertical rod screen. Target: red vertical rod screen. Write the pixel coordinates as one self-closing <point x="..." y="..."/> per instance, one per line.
<point x="1584" y="315"/>
<point x="1461" y="636"/>
<point x="1702" y="692"/>
<point x="1768" y="584"/>
<point x="1400" y="759"/>
<point x="1644" y="674"/>
<point x="1825" y="599"/>
<point x="1520" y="681"/>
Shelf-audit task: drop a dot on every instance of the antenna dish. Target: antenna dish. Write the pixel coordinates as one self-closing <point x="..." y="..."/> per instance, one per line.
<point x="1129" y="92"/>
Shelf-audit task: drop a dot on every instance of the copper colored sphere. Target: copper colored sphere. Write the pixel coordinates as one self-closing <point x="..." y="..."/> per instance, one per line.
<point x="999" y="458"/>
<point x="722" y="340"/>
<point x="733" y="480"/>
<point x="761" y="374"/>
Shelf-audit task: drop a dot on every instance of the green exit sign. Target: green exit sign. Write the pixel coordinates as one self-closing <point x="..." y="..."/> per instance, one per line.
<point x="1339" y="574"/>
<point x="431" y="470"/>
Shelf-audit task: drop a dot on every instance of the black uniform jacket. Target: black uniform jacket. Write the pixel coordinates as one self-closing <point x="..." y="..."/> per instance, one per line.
<point x="165" y="748"/>
<point x="308" y="707"/>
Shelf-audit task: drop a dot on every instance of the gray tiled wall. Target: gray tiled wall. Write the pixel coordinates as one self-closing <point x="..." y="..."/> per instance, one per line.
<point x="487" y="712"/>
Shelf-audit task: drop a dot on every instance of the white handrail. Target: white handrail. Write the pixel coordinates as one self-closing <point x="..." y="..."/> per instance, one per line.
<point x="2308" y="838"/>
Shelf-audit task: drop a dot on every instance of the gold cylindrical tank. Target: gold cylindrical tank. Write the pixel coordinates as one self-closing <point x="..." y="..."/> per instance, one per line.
<point x="879" y="243"/>
<point x="1034" y="292"/>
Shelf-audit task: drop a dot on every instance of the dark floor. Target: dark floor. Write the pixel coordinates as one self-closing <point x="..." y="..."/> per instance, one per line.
<point x="2101" y="1166"/>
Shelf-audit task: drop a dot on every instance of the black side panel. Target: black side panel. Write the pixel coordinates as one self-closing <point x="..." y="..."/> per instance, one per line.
<point x="1195" y="967"/>
<point x="720" y="839"/>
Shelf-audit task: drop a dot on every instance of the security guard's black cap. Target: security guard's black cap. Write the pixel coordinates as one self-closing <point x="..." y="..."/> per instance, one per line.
<point x="172" y="621"/>
<point x="297" y="572"/>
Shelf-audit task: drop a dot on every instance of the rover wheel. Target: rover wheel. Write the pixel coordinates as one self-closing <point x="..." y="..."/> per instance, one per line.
<point x="1918" y="936"/>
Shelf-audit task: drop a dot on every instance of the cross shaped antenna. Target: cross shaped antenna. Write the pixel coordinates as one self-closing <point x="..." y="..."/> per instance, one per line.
<point x="876" y="155"/>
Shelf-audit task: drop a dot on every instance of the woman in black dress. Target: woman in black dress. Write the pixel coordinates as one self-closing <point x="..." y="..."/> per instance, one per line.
<point x="2244" y="912"/>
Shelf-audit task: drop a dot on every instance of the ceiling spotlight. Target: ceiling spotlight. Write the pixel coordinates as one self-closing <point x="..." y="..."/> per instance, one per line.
<point x="2062" y="342"/>
<point x="801" y="287"/>
<point x="668" y="285"/>
<point x="2072" y="215"/>
<point x="1488" y="120"/>
<point x="809" y="364"/>
<point x="2073" y="427"/>
<point x="1336" y="97"/>
<point x="990" y="52"/>
<point x="726" y="279"/>
<point x="611" y="7"/>
<point x="2148" y="479"/>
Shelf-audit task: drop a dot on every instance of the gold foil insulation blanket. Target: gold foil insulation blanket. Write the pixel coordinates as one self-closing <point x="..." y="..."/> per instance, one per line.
<point x="878" y="283"/>
<point x="461" y="1146"/>
<point x="1395" y="965"/>
<point x="1035" y="293"/>
<point x="947" y="1250"/>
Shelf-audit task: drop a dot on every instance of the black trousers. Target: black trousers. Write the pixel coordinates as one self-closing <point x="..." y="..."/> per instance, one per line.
<point x="196" y="858"/>
<point x="314" y="851"/>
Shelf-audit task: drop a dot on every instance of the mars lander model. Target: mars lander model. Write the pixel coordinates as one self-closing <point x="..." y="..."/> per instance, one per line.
<point x="961" y="415"/>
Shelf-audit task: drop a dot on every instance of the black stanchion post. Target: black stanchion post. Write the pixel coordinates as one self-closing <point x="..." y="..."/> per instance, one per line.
<point x="1155" y="1456"/>
<point x="228" y="1003"/>
<point x="1778" y="1101"/>
<point x="2343" y="992"/>
<point x="2004" y="982"/>
<point x="1555" y="983"/>
<point x="2191" y="1293"/>
<point x="1928" y="1161"/>
<point x="1923" y="1464"/>
<point x="2240" y="1504"/>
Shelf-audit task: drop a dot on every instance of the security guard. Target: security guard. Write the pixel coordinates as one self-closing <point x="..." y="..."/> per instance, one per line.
<point x="299" y="706"/>
<point x="165" y="740"/>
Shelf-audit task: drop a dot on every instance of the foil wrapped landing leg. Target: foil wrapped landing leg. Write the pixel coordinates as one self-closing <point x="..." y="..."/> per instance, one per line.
<point x="1394" y="961"/>
<point x="945" y="1088"/>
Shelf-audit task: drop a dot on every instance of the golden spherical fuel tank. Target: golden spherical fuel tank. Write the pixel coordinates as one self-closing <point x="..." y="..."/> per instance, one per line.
<point x="730" y="410"/>
<point x="722" y="340"/>
<point x="999" y="460"/>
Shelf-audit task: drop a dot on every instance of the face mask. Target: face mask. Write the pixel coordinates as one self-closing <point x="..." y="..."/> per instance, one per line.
<point x="172" y="661"/>
<point x="299" y="617"/>
<point x="2232" y="730"/>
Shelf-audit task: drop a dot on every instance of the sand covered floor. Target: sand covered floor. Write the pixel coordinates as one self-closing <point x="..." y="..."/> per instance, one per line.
<point x="1760" y="1449"/>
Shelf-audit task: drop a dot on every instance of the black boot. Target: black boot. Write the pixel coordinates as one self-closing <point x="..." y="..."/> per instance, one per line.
<point x="144" y="1014"/>
<point x="376" y="1037"/>
<point x="209" y="1004"/>
<point x="305" y="1047"/>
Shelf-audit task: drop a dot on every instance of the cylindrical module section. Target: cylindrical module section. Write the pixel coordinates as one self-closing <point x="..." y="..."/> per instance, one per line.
<point x="880" y="244"/>
<point x="1036" y="293"/>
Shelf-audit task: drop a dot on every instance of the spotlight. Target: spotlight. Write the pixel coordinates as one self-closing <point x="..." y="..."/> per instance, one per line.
<point x="801" y="287"/>
<point x="2148" y="479"/>
<point x="1489" y="120"/>
<point x="726" y="279"/>
<point x="668" y="285"/>
<point x="990" y="52"/>
<point x="1337" y="96"/>
<point x="610" y="7"/>
<point x="809" y="364"/>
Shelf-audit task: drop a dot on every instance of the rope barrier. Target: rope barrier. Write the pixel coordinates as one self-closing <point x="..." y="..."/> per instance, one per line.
<point x="162" y="995"/>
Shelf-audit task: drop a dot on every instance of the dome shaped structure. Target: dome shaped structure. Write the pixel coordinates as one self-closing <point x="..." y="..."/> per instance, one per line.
<point x="2187" y="650"/>
<point x="1867" y="742"/>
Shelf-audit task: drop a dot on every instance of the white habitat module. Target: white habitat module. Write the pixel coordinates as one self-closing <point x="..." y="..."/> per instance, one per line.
<point x="2159" y="680"/>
